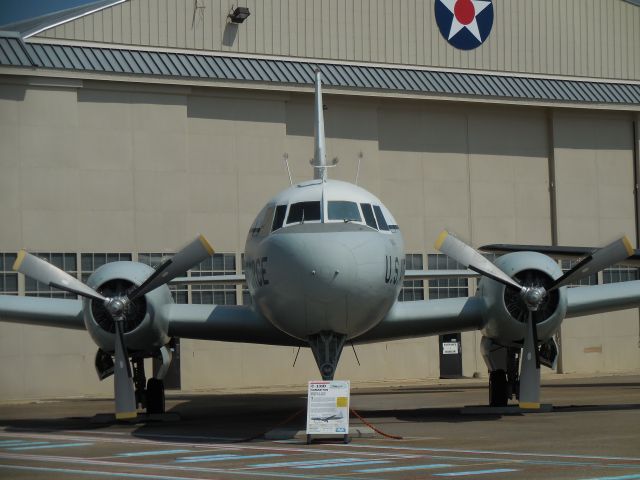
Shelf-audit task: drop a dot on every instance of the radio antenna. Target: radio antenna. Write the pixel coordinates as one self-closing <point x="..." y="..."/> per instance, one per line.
<point x="286" y="161"/>
<point x="360" y="155"/>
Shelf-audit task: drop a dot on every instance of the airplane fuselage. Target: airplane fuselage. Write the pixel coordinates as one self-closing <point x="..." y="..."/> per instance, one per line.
<point x="324" y="255"/>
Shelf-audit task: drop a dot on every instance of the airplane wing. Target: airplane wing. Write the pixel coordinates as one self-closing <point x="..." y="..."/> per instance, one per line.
<point x="48" y="312"/>
<point x="559" y="252"/>
<point x="602" y="298"/>
<point x="427" y="317"/>
<point x="229" y="323"/>
<point x="232" y="323"/>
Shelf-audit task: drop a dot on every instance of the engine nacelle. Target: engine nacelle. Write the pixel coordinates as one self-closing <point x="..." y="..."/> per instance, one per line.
<point x="506" y="317"/>
<point x="143" y="329"/>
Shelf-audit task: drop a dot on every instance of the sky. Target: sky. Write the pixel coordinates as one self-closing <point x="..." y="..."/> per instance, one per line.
<point x="17" y="10"/>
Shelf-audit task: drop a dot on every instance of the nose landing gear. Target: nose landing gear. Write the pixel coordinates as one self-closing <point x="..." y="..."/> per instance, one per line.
<point x="327" y="348"/>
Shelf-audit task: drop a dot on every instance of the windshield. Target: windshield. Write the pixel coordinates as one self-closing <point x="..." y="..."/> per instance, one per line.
<point x="304" y="212"/>
<point x="382" y="224"/>
<point x="278" y="219"/>
<point x="346" y="211"/>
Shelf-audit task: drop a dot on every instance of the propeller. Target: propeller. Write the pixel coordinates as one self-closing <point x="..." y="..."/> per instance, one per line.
<point x="532" y="296"/>
<point x="598" y="260"/>
<point x="44" y="272"/>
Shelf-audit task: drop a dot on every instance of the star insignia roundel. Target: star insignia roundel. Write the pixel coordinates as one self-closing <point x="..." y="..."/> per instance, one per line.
<point x="465" y="24"/>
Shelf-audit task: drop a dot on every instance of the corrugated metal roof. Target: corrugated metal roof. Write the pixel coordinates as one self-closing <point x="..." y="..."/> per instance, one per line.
<point x="13" y="52"/>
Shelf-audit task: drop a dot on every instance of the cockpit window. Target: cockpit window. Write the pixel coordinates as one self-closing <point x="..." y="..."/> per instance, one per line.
<point x="340" y="210"/>
<point x="304" y="212"/>
<point x="382" y="223"/>
<point x="278" y="218"/>
<point x="369" y="218"/>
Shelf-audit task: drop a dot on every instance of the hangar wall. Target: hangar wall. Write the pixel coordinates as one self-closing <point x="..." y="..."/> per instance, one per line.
<point x="104" y="166"/>
<point x="558" y="37"/>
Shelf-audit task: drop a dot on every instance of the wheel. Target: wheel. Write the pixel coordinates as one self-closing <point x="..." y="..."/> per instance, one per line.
<point x="155" y="396"/>
<point x="498" y="395"/>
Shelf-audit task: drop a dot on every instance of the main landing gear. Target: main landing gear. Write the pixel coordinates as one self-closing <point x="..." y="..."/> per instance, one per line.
<point x="507" y="367"/>
<point x="504" y="381"/>
<point x="149" y="394"/>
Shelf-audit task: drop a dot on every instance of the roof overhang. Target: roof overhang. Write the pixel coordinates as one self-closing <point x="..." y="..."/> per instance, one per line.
<point x="124" y="63"/>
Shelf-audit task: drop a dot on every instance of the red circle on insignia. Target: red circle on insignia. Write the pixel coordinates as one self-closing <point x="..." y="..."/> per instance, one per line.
<point x="464" y="11"/>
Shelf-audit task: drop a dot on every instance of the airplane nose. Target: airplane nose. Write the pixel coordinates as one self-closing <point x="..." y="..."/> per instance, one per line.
<point x="324" y="267"/>
<point x="314" y="278"/>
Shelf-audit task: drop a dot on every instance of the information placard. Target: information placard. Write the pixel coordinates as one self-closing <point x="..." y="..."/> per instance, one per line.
<point x="328" y="407"/>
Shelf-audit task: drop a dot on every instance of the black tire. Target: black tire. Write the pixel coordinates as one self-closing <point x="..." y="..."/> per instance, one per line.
<point x="498" y="394"/>
<point x="155" y="396"/>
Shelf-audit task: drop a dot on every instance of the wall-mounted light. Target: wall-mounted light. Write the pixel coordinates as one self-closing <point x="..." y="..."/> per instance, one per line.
<point x="239" y="14"/>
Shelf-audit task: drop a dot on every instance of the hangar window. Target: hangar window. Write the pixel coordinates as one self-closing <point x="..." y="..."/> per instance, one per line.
<point x="446" y="287"/>
<point x="345" y="211"/>
<point x="278" y="219"/>
<point x="217" y="264"/>
<point x="8" y="278"/>
<point x="304" y="212"/>
<point x="179" y="292"/>
<point x="412" y="289"/>
<point x="90" y="262"/>
<point x="246" y="296"/>
<point x="567" y="265"/>
<point x="382" y="223"/>
<point x="619" y="274"/>
<point x="369" y="217"/>
<point x="65" y="261"/>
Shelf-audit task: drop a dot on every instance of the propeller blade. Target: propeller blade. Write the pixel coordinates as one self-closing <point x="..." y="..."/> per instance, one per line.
<point x="534" y="334"/>
<point x="191" y="255"/>
<point x="599" y="260"/>
<point x="126" y="406"/>
<point x="529" y="395"/>
<point x="50" y="275"/>
<point x="471" y="258"/>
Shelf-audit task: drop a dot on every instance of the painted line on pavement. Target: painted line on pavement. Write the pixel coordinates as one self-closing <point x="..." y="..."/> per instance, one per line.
<point x="344" y="464"/>
<point x="490" y="452"/>
<point x="157" y="466"/>
<point x="50" y="445"/>
<point x="152" y="453"/>
<point x="220" y="458"/>
<point x="402" y="468"/>
<point x="307" y="462"/>
<point x="92" y="473"/>
<point x="623" y="477"/>
<point x="476" y="472"/>
<point x="22" y="444"/>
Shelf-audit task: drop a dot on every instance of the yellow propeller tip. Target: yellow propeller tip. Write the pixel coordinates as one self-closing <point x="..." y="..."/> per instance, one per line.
<point x="126" y="415"/>
<point x="441" y="238"/>
<point x="206" y="244"/>
<point x="19" y="259"/>
<point x="627" y="245"/>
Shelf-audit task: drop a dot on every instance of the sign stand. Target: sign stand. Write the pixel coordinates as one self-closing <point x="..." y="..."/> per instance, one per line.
<point x="328" y="409"/>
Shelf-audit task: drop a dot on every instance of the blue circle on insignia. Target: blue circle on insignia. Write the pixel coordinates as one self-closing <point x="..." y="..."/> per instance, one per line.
<point x="465" y="24"/>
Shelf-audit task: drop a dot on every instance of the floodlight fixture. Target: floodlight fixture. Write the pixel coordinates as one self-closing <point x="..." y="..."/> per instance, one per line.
<point x="239" y="14"/>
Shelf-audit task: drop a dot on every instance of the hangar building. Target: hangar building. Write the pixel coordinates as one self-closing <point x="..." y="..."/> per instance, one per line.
<point x="126" y="131"/>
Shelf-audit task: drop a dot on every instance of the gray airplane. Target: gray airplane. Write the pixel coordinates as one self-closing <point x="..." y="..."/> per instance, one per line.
<point x="326" y="418"/>
<point x="324" y="265"/>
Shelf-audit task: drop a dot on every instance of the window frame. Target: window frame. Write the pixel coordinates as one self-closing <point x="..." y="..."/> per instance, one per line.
<point x="342" y="220"/>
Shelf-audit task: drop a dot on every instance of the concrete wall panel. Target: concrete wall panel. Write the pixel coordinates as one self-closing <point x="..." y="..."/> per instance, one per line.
<point x="595" y="195"/>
